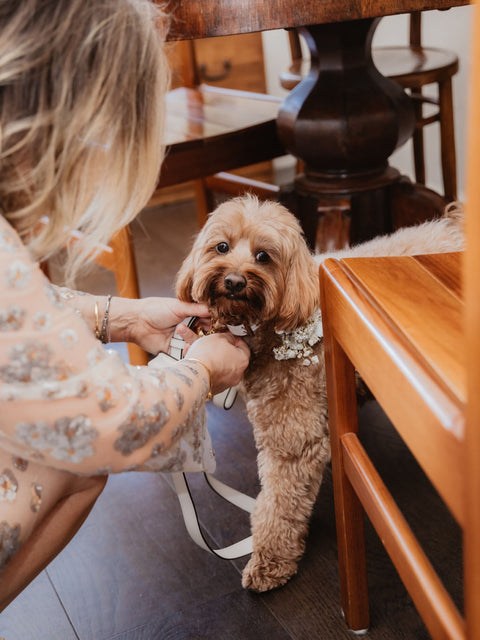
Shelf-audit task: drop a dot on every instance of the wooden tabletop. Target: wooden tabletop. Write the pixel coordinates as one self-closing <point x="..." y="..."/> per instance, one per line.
<point x="206" y="18"/>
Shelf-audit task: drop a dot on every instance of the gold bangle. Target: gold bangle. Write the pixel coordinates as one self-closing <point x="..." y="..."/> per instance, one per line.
<point x="97" y="327"/>
<point x="105" y="333"/>
<point x="102" y="332"/>
<point x="208" y="370"/>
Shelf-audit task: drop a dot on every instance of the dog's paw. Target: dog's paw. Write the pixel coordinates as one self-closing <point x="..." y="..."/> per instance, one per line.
<point x="265" y="573"/>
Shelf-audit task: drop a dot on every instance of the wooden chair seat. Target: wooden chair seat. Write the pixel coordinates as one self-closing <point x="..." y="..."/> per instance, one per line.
<point x="412" y="67"/>
<point x="210" y="129"/>
<point x="406" y="65"/>
<point x="399" y="323"/>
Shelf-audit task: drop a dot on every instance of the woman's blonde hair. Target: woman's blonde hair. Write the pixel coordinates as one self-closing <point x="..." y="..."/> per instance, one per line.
<point x="82" y="88"/>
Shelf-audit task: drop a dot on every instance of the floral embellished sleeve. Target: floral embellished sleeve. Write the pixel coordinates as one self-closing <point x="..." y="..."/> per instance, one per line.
<point x="68" y="403"/>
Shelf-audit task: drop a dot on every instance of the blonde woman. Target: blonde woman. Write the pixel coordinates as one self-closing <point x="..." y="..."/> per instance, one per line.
<point x="82" y="84"/>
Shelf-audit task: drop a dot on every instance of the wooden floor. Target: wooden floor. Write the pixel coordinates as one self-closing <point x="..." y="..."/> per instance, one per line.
<point x="132" y="573"/>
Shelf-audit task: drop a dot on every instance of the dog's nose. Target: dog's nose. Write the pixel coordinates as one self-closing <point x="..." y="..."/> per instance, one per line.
<point x="234" y="282"/>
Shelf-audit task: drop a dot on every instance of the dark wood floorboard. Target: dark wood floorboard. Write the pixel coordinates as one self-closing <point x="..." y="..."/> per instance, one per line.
<point x="132" y="562"/>
<point x="132" y="573"/>
<point x="36" y="613"/>
<point x="236" y="615"/>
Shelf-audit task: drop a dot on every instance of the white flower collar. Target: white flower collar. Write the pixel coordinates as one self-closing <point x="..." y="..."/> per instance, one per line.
<point x="299" y="342"/>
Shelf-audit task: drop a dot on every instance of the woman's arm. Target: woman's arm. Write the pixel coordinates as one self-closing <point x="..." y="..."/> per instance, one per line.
<point x="148" y="322"/>
<point x="70" y="404"/>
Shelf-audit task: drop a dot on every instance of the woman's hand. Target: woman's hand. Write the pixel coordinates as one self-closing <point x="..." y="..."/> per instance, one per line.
<point x="226" y="356"/>
<point x="150" y="322"/>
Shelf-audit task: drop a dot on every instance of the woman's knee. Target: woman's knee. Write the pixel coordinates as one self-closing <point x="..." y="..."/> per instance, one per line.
<point x="92" y="485"/>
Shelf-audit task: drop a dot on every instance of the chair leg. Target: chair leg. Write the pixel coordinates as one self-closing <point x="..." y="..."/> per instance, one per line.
<point x="204" y="200"/>
<point x="125" y="270"/>
<point x="342" y="409"/>
<point x="447" y="140"/>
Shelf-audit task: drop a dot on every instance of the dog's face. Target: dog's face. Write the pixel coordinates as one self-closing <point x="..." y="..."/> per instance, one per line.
<point x="251" y="265"/>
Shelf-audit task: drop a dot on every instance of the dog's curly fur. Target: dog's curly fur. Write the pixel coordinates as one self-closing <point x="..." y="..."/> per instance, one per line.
<point x="251" y="265"/>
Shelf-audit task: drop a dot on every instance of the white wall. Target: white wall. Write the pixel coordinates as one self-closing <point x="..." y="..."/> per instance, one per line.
<point x="446" y="29"/>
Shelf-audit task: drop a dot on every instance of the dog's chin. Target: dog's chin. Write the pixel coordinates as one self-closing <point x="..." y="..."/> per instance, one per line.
<point x="235" y="309"/>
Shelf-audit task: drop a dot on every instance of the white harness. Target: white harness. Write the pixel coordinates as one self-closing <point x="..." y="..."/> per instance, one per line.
<point x="295" y="344"/>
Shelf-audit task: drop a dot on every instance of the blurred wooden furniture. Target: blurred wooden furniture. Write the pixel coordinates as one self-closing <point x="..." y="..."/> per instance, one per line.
<point x="413" y="67"/>
<point x="343" y="120"/>
<point x="229" y="62"/>
<point x="212" y="129"/>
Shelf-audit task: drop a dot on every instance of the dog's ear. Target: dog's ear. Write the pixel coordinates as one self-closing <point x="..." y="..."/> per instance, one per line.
<point x="301" y="297"/>
<point x="185" y="276"/>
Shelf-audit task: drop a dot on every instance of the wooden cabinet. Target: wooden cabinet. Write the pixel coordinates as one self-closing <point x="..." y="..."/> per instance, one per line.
<point x="233" y="62"/>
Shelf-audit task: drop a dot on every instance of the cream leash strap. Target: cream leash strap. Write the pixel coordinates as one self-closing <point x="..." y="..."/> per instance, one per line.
<point x="244" y="502"/>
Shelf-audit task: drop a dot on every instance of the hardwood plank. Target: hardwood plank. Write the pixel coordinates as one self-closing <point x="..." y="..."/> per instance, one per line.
<point x="36" y="614"/>
<point x="132" y="561"/>
<point x="197" y="159"/>
<point x="472" y="337"/>
<point x="235" y="615"/>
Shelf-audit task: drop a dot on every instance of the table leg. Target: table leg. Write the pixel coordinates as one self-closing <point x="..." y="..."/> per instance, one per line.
<point x="344" y="120"/>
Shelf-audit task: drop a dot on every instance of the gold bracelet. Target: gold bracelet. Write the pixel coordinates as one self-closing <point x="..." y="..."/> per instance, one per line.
<point x="102" y="332"/>
<point x="208" y="370"/>
<point x="105" y="334"/>
<point x="97" y="327"/>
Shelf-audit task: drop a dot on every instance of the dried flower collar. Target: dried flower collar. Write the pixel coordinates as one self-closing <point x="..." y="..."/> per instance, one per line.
<point x="299" y="342"/>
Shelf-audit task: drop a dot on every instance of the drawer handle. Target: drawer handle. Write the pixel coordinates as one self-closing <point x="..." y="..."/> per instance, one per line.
<point x="204" y="75"/>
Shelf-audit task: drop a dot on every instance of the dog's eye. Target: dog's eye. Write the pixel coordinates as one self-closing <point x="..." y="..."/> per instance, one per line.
<point x="262" y="256"/>
<point x="222" y="247"/>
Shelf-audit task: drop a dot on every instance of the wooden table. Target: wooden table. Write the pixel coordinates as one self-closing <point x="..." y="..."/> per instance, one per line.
<point x="344" y="120"/>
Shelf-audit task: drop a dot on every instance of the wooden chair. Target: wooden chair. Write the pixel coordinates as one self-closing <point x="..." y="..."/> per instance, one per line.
<point x="398" y="322"/>
<point x="409" y="326"/>
<point x="413" y="67"/>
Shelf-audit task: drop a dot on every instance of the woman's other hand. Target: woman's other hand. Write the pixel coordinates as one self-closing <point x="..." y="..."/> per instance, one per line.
<point x="226" y="356"/>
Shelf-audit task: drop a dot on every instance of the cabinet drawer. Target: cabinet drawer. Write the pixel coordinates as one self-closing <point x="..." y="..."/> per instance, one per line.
<point x="234" y="62"/>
